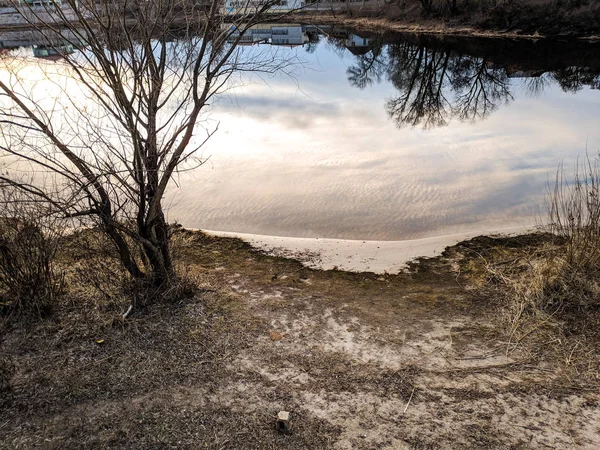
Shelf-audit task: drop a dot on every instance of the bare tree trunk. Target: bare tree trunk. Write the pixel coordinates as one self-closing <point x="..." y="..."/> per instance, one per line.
<point x="124" y="251"/>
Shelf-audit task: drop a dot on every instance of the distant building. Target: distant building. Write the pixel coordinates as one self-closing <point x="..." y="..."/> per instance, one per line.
<point x="52" y="52"/>
<point x="42" y="45"/>
<point x="354" y="40"/>
<point x="36" y="12"/>
<point x="288" y="35"/>
<point x="248" y="6"/>
<point x="274" y="34"/>
<point x="41" y="2"/>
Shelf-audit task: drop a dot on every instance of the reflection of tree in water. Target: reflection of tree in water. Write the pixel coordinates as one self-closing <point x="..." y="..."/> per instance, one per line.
<point x="535" y="86"/>
<point x="420" y="75"/>
<point x="479" y="87"/>
<point x="435" y="85"/>
<point x="573" y="79"/>
<point x="369" y="67"/>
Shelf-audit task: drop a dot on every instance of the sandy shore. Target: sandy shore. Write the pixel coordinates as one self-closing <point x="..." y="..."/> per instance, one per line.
<point x="358" y="256"/>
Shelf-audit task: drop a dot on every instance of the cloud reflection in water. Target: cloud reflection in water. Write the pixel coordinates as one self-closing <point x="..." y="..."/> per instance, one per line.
<point x="362" y="156"/>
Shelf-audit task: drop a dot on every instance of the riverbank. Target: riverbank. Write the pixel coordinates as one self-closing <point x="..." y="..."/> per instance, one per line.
<point x="459" y="27"/>
<point x="360" y="360"/>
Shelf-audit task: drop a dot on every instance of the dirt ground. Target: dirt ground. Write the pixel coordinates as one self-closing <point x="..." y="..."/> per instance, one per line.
<point x="361" y="361"/>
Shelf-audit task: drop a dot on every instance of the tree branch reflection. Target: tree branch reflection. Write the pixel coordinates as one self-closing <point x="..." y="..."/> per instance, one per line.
<point x="436" y="84"/>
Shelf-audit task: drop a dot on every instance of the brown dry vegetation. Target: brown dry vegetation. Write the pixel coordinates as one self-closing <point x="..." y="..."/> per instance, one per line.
<point x="524" y="17"/>
<point x="415" y="360"/>
<point x="547" y="308"/>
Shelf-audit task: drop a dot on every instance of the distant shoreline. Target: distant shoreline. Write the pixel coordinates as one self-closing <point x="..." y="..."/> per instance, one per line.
<point x="437" y="27"/>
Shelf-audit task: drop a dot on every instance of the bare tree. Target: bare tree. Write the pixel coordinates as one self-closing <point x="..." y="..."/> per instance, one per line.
<point x="105" y="129"/>
<point x="479" y="87"/>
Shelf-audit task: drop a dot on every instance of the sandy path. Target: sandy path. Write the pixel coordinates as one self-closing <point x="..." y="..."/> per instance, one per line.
<point x="400" y="365"/>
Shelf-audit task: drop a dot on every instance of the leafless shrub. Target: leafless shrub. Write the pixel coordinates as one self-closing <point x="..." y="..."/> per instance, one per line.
<point x="29" y="282"/>
<point x="125" y="111"/>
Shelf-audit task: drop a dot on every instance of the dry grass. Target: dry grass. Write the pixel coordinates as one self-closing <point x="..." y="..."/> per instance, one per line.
<point x="541" y="299"/>
<point x="147" y="381"/>
<point x="549" y="283"/>
<point x="574" y="217"/>
<point x="93" y="269"/>
<point x="29" y="280"/>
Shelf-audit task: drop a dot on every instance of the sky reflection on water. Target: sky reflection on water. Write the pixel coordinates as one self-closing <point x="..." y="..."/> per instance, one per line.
<point x="319" y="157"/>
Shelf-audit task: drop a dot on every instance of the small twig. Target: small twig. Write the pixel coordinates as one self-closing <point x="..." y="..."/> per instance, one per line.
<point x="126" y="313"/>
<point x="411" y="396"/>
<point x="541" y="369"/>
<point x="527" y="427"/>
<point x="103" y="359"/>
<point x="97" y="361"/>
<point x="483" y="356"/>
<point x="479" y="369"/>
<point x="568" y="360"/>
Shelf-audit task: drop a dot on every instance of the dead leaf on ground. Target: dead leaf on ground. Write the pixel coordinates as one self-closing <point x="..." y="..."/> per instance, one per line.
<point x="275" y="335"/>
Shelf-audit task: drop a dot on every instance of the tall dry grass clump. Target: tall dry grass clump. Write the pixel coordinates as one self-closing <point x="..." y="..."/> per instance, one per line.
<point x="562" y="274"/>
<point x="574" y="217"/>
<point x="551" y="285"/>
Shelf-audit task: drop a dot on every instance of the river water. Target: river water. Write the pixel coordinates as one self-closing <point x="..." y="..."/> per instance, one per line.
<point x="395" y="137"/>
<point x="390" y="137"/>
